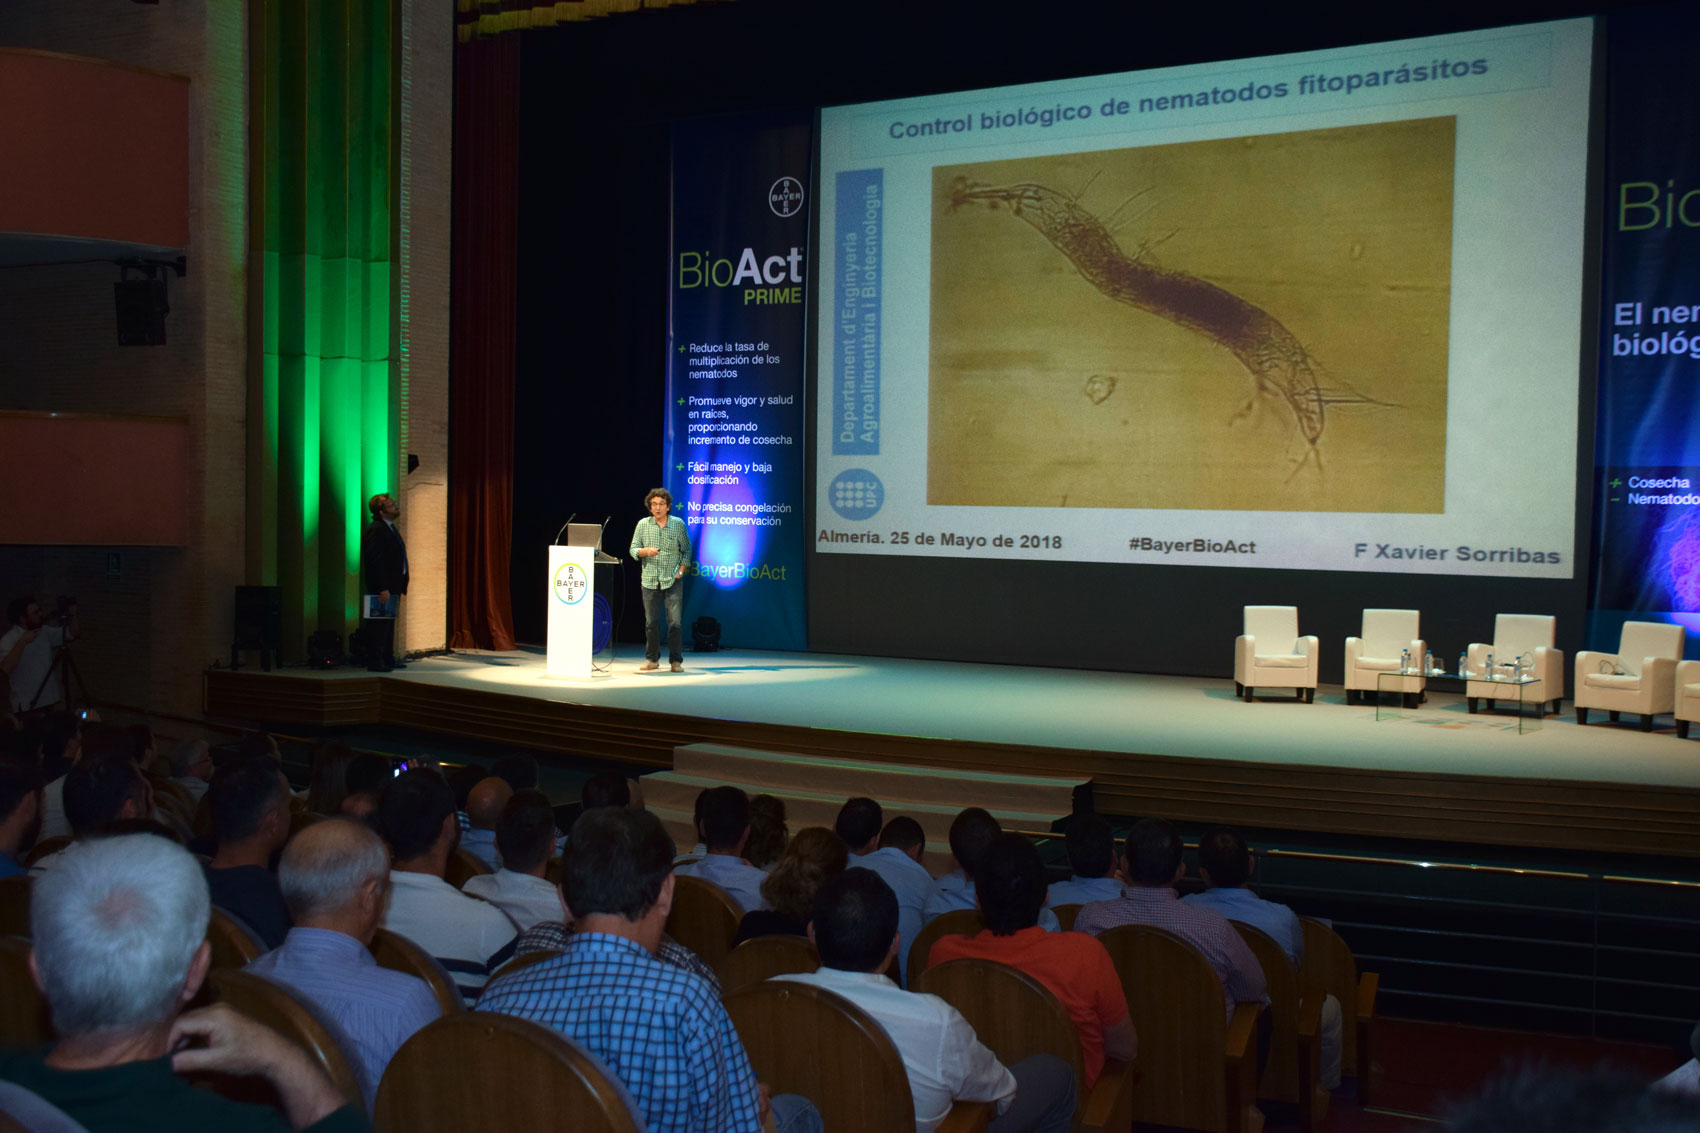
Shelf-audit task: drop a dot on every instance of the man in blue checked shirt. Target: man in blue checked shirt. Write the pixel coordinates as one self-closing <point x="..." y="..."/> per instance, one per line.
<point x="661" y="543"/>
<point x="659" y="1028"/>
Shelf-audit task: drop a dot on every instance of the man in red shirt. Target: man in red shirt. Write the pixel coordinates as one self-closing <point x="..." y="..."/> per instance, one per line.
<point x="1010" y="886"/>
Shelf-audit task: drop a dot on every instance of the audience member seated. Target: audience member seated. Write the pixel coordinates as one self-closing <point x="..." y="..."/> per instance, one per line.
<point x="99" y="789"/>
<point x="1226" y="863"/>
<point x="518" y="771"/>
<point x="662" y="1031"/>
<point x="1152" y="863"/>
<point x="1092" y="858"/>
<point x="61" y="748"/>
<point x="972" y="833"/>
<point x="606" y="788"/>
<point x="366" y="778"/>
<point x="902" y="844"/>
<point x="250" y="811"/>
<point x="814" y="855"/>
<point x="725" y="827"/>
<point x="525" y="839"/>
<point x="20" y="813"/>
<point x="335" y="877"/>
<point x="327" y="783"/>
<point x="471" y="938"/>
<point x="192" y="767"/>
<point x="1567" y="1099"/>
<point x="461" y="780"/>
<point x="119" y="947"/>
<point x="1010" y="884"/>
<point x="701" y="848"/>
<point x="768" y="832"/>
<point x="854" y="926"/>
<point x="858" y="823"/>
<point x="483" y="810"/>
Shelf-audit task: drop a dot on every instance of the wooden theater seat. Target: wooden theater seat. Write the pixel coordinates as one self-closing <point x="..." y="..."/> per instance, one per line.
<point x="44" y="847"/>
<point x="394" y="951"/>
<point x="483" y="1070"/>
<point x="522" y="962"/>
<point x="703" y="918"/>
<point x="464" y="865"/>
<point x="1196" y="1069"/>
<point x="234" y="944"/>
<point x="293" y="1018"/>
<point x="1016" y="1016"/>
<point x="761" y="957"/>
<point x="957" y="922"/>
<point x="24" y="1021"/>
<point x="1293" y="1071"/>
<point x="15" y="906"/>
<point x="806" y="1040"/>
<point x="1330" y="965"/>
<point x="1066" y="914"/>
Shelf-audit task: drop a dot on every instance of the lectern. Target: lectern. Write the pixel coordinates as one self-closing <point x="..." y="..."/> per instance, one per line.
<point x="570" y="600"/>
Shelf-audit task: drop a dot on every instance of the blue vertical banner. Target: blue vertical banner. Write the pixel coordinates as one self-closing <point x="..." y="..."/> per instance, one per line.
<point x="734" y="446"/>
<point x="1647" y="438"/>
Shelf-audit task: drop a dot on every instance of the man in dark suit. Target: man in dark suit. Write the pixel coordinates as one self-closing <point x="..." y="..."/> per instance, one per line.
<point x="383" y="560"/>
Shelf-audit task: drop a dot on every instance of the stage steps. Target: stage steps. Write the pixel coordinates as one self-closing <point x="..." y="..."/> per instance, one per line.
<point x="814" y="787"/>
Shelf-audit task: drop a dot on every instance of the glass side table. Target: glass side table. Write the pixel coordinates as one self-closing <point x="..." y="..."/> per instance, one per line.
<point x="1391" y="686"/>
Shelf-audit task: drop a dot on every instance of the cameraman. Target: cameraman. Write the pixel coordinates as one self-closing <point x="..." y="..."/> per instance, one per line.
<point x="29" y="648"/>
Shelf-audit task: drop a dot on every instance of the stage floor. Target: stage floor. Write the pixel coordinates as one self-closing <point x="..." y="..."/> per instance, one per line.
<point x="1184" y="747"/>
<point x="1103" y="712"/>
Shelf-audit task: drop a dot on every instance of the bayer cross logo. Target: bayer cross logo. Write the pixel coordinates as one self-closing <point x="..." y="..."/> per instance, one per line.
<point x="570" y="584"/>
<point x="856" y="493"/>
<point x="786" y="196"/>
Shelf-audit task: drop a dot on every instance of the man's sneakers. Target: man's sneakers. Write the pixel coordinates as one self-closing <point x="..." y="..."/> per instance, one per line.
<point x="678" y="666"/>
<point x="649" y="666"/>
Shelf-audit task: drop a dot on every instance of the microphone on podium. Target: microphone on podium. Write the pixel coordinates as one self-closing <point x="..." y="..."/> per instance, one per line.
<point x="557" y="540"/>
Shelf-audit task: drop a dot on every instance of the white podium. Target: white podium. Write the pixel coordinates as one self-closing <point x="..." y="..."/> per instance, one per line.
<point x="570" y="602"/>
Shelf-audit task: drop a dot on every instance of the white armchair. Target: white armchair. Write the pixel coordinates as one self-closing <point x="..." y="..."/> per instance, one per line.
<point x="1271" y="654"/>
<point x="1687" y="696"/>
<point x="1513" y="636"/>
<point x="1639" y="677"/>
<point x="1386" y="633"/>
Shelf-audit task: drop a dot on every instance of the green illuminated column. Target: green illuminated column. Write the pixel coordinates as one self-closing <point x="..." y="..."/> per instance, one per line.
<point x="324" y="405"/>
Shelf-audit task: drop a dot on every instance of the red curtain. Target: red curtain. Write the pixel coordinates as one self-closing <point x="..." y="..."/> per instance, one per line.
<point x="482" y="320"/>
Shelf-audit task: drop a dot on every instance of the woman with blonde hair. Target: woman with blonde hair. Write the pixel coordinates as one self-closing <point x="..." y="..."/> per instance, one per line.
<point x="815" y="854"/>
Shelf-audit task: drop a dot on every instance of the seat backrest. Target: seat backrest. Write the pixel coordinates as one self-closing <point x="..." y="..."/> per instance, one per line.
<point x="394" y="951"/>
<point x="15" y="905"/>
<point x="483" y="1070"/>
<point x="1281" y="1071"/>
<point x="957" y="922"/>
<point x="44" y="847"/>
<point x="1329" y="965"/>
<point x="24" y="1022"/>
<point x="1275" y="627"/>
<point x="523" y="961"/>
<point x="464" y="864"/>
<point x="1516" y="634"/>
<point x="29" y="1112"/>
<point x="1647" y="639"/>
<point x="1014" y="1014"/>
<point x="803" y="1039"/>
<point x="1176" y="1003"/>
<point x="703" y="918"/>
<point x="1386" y="632"/>
<point x="1066" y="915"/>
<point x="293" y="1018"/>
<point x="234" y="944"/>
<point x="759" y="958"/>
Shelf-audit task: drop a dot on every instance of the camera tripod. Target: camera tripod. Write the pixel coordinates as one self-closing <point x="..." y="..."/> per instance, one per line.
<point x="70" y="679"/>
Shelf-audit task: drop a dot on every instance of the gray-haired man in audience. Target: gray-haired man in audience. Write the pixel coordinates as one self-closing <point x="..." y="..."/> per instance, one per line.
<point x="119" y="948"/>
<point x="336" y="877"/>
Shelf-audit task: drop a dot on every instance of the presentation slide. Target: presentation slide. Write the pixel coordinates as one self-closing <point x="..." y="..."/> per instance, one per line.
<point x="1314" y="311"/>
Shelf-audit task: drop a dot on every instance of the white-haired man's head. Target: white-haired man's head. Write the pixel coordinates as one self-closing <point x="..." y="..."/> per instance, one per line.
<point x="117" y="923"/>
<point x="335" y="874"/>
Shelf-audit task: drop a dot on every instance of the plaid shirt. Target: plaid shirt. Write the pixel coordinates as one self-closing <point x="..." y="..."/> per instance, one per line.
<point x="660" y="571"/>
<point x="552" y="936"/>
<point x="1205" y="929"/>
<point x="660" y="1029"/>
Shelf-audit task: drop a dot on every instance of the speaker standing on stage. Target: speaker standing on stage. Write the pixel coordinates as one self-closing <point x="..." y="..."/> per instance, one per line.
<point x="663" y="547"/>
<point x="383" y="558"/>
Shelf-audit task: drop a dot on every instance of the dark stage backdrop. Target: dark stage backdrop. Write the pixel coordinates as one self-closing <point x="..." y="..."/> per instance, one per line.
<point x="598" y="101"/>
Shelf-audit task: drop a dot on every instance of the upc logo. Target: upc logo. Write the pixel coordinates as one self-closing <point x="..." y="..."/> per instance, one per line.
<point x="856" y="493"/>
<point x="786" y="196"/>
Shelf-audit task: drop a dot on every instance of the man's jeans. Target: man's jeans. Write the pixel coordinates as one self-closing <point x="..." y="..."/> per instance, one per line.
<point x="674" y="598"/>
